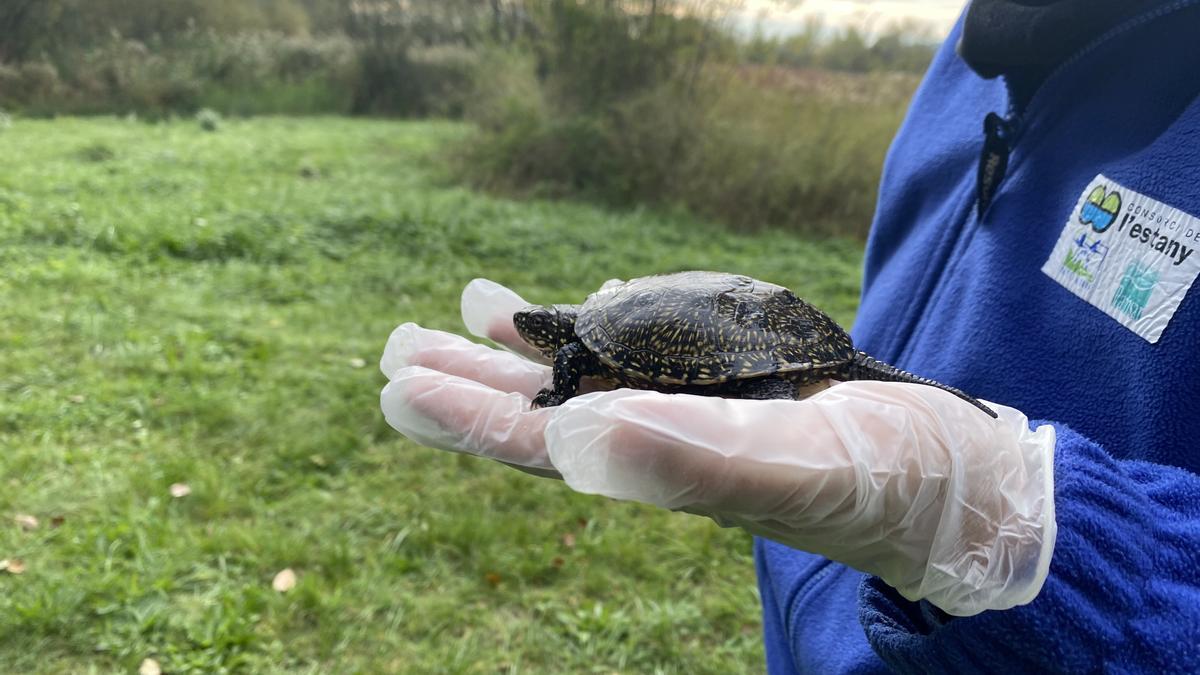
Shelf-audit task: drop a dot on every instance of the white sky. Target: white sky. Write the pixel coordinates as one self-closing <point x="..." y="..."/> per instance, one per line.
<point x="776" y="17"/>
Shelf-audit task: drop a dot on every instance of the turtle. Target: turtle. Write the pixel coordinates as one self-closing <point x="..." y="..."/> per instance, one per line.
<point x="709" y="333"/>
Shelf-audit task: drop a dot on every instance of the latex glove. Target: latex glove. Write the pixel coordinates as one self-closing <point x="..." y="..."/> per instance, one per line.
<point x="902" y="481"/>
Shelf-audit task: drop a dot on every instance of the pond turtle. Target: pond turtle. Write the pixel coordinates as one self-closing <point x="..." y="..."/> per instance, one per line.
<point x="702" y="333"/>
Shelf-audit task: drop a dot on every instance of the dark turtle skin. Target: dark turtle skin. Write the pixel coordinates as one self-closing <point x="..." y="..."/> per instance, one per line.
<point x="705" y="333"/>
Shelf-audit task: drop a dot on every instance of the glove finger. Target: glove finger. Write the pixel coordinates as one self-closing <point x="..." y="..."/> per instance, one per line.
<point x="487" y="311"/>
<point x="462" y="415"/>
<point x="412" y="345"/>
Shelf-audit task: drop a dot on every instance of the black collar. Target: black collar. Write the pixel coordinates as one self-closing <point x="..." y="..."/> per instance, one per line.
<point x="1031" y="36"/>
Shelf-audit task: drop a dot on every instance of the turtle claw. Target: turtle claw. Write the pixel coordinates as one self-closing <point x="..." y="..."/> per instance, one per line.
<point x="548" y="398"/>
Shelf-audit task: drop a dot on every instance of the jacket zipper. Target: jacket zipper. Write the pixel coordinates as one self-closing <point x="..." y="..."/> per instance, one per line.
<point x="993" y="161"/>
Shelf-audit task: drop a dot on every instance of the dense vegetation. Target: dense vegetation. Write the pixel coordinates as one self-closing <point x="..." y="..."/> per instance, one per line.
<point x="628" y="102"/>
<point x="634" y="108"/>
<point x="196" y="293"/>
<point x="902" y="47"/>
<point x="204" y="309"/>
<point x="155" y="57"/>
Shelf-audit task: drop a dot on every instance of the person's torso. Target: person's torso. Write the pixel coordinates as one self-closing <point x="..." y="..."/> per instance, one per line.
<point x="1056" y="300"/>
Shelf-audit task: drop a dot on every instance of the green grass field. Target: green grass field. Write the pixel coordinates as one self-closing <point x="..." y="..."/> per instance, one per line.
<point x="208" y="309"/>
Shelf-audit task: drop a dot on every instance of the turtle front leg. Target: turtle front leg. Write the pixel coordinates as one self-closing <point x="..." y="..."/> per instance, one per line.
<point x="571" y="362"/>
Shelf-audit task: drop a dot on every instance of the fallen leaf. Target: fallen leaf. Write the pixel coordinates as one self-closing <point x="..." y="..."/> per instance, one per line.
<point x="149" y="667"/>
<point x="179" y="490"/>
<point x="357" y="363"/>
<point x="558" y="562"/>
<point x="319" y="460"/>
<point x="12" y="566"/>
<point x="284" y="581"/>
<point x="76" y="398"/>
<point x="568" y="540"/>
<point x="57" y="521"/>
<point x="26" y="521"/>
<point x="492" y="578"/>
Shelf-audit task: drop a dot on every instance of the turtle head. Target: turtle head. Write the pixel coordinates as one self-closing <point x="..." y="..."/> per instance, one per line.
<point x="546" y="328"/>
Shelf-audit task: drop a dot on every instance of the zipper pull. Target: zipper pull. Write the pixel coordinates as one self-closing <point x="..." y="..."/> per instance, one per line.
<point x="993" y="162"/>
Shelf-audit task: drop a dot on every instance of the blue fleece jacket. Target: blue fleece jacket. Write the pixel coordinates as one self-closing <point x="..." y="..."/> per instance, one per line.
<point x="962" y="298"/>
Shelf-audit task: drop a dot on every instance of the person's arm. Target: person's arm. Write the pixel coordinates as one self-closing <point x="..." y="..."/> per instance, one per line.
<point x="953" y="513"/>
<point x="903" y="481"/>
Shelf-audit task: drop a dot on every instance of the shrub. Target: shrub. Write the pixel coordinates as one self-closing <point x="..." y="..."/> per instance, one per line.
<point x="246" y="74"/>
<point x="33" y="84"/>
<point x="765" y="157"/>
<point x="124" y="75"/>
<point x="735" y="149"/>
<point x="395" y="79"/>
<point x="264" y="73"/>
<point x="629" y="108"/>
<point x="595" y="54"/>
<point x="209" y="119"/>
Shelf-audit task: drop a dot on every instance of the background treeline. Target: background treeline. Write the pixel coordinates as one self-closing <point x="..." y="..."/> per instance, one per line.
<point x="154" y="57"/>
<point x="625" y="101"/>
<point x="901" y="47"/>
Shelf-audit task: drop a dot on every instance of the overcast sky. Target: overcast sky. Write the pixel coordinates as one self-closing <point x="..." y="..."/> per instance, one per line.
<point x="777" y="18"/>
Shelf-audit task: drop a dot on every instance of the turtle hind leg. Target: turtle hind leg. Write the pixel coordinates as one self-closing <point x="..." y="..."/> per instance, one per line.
<point x="866" y="367"/>
<point x="763" y="388"/>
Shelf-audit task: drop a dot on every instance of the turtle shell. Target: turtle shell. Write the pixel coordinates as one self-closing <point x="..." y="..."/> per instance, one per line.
<point x="707" y="328"/>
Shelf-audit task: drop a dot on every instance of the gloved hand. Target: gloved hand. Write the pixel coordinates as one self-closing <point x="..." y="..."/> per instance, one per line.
<point x="902" y="481"/>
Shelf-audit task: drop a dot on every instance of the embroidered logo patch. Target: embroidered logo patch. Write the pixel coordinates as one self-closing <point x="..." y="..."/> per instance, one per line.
<point x="1128" y="255"/>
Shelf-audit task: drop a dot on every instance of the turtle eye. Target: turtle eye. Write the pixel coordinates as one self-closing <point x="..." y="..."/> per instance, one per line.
<point x="537" y="322"/>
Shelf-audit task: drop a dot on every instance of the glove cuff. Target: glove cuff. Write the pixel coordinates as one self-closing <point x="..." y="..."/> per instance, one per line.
<point x="965" y="578"/>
